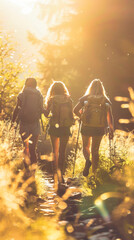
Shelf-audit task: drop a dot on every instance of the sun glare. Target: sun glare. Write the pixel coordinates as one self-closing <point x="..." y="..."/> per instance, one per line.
<point x="25" y="5"/>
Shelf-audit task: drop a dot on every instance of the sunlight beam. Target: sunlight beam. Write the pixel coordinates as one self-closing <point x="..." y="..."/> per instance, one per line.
<point x="25" y="5"/>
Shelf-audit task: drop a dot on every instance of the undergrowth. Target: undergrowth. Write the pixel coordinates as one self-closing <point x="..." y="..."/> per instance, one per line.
<point x="114" y="155"/>
<point x="20" y="195"/>
<point x="19" y="192"/>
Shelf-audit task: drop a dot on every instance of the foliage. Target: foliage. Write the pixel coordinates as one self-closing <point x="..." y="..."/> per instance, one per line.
<point x="13" y="189"/>
<point x="20" y="211"/>
<point x="112" y="186"/>
<point x="10" y="70"/>
<point x="115" y="189"/>
<point x="113" y="156"/>
<point x="82" y="43"/>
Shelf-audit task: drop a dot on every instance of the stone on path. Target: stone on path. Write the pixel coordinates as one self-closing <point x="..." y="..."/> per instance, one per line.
<point x="77" y="215"/>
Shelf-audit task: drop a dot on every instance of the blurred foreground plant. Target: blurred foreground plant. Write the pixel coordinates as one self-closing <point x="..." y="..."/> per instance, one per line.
<point x="129" y="104"/>
<point x="14" y="187"/>
<point x="20" y="211"/>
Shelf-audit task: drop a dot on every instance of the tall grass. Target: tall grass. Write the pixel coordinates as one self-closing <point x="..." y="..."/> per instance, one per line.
<point x="20" y="215"/>
<point x="13" y="189"/>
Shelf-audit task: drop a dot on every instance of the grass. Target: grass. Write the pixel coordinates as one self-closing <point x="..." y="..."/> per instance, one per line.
<point x="19" y="213"/>
<point x="112" y="157"/>
<point x="13" y="190"/>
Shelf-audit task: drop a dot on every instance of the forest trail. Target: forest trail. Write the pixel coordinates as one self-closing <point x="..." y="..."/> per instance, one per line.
<point x="76" y="213"/>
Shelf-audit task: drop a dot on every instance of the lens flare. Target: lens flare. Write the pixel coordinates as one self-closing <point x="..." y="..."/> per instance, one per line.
<point x="103" y="211"/>
<point x="100" y="204"/>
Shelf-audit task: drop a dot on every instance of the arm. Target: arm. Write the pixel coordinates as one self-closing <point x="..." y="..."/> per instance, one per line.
<point x="77" y="109"/>
<point x="47" y="109"/>
<point x="16" y="110"/>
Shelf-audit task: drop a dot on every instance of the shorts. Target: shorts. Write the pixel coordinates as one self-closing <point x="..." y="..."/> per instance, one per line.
<point x="59" y="132"/>
<point x="92" y="131"/>
<point x="26" y="129"/>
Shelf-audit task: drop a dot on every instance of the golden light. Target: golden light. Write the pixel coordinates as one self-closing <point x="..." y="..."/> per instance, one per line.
<point x="26" y="16"/>
<point x="98" y="202"/>
<point x="131" y="93"/>
<point x="104" y="196"/>
<point x="125" y="121"/>
<point x="25" y="5"/>
<point x="70" y="228"/>
<point x="121" y="99"/>
<point x="124" y="105"/>
<point x="62" y="205"/>
<point x="127" y="199"/>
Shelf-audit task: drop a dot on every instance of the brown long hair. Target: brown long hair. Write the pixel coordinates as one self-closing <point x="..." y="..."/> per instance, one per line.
<point x="56" y="88"/>
<point x="96" y="88"/>
<point x="31" y="82"/>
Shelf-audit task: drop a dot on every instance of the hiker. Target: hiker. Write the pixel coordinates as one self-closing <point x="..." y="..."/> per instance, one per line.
<point x="28" y="112"/>
<point x="59" y="107"/>
<point x="95" y="113"/>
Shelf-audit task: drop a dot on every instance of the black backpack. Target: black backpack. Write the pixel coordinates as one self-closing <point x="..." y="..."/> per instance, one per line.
<point x="62" y="112"/>
<point x="95" y="111"/>
<point x="31" y="105"/>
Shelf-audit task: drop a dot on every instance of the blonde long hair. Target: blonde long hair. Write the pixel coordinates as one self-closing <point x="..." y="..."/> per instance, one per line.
<point x="96" y="88"/>
<point x="56" y="88"/>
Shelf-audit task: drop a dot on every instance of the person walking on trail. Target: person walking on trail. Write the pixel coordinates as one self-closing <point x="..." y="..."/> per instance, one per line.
<point x="95" y="112"/>
<point x="28" y="112"/>
<point x="59" y="108"/>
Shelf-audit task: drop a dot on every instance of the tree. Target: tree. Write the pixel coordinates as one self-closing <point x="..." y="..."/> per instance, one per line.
<point x="86" y="40"/>
<point x="10" y="81"/>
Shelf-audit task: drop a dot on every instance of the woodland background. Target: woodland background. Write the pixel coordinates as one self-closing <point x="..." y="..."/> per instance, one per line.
<point x="71" y="41"/>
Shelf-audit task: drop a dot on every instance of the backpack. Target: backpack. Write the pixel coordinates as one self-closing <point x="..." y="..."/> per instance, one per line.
<point x="61" y="110"/>
<point x="95" y="111"/>
<point x="31" y="105"/>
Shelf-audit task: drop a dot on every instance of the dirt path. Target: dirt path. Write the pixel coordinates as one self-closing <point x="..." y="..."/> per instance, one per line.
<point x="76" y="213"/>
